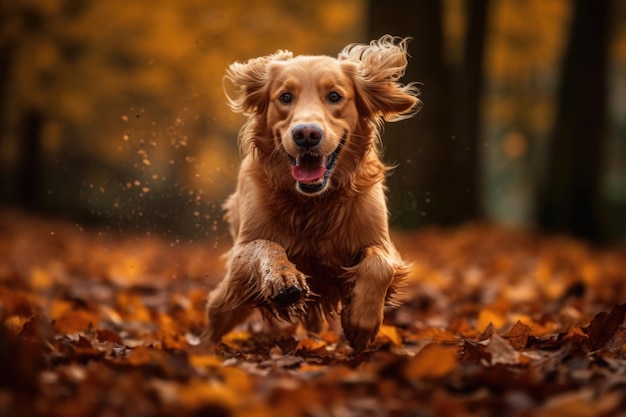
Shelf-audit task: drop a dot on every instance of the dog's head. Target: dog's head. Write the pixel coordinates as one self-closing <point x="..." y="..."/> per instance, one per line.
<point x="321" y="114"/>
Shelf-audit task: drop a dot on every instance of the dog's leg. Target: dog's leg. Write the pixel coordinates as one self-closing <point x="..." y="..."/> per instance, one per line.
<point x="371" y="278"/>
<point x="259" y="273"/>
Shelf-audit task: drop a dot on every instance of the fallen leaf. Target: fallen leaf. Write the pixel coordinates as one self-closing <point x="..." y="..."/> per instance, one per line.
<point x="205" y="361"/>
<point x="310" y="344"/>
<point x="490" y="317"/>
<point x="518" y="335"/>
<point x="501" y="351"/>
<point x="433" y="361"/>
<point x="434" y="334"/>
<point x="604" y="325"/>
<point x="75" y="321"/>
<point x="582" y="403"/>
<point x="388" y="334"/>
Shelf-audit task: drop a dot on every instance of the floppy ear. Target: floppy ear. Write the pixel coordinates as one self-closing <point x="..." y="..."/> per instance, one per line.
<point x="250" y="79"/>
<point x="376" y="69"/>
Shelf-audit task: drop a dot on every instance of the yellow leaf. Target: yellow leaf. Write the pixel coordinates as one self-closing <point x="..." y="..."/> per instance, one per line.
<point x="58" y="308"/>
<point x="234" y="339"/>
<point x="487" y="317"/>
<point x="197" y="393"/>
<point x="434" y="334"/>
<point x="312" y="367"/>
<point x="389" y="334"/>
<point x="133" y="307"/>
<point x="15" y="323"/>
<point x="433" y="361"/>
<point x="309" y="344"/>
<point x="40" y="279"/>
<point x="329" y="337"/>
<point x="204" y="361"/>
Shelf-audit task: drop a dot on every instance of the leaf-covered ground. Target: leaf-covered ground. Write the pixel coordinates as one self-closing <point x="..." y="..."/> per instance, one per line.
<point x="494" y="323"/>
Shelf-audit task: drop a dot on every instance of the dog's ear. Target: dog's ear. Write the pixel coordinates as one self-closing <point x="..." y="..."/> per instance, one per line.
<point x="250" y="79"/>
<point x="376" y="69"/>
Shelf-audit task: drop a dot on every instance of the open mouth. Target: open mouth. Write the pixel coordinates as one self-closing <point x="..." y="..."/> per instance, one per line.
<point x="312" y="171"/>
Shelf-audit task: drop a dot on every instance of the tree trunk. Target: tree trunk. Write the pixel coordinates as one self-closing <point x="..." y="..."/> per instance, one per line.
<point x="570" y="198"/>
<point x="437" y="178"/>
<point x="30" y="158"/>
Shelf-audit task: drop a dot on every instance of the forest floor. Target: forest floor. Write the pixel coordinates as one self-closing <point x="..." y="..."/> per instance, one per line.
<point x="494" y="322"/>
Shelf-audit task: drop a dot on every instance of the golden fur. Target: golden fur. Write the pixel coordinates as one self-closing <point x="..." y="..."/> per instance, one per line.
<point x="309" y="216"/>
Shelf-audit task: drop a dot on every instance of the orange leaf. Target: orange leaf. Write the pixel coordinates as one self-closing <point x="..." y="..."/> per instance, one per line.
<point x="74" y="321"/>
<point x="487" y="317"/>
<point x="311" y="345"/>
<point x="235" y="338"/>
<point x="433" y="361"/>
<point x="142" y="355"/>
<point x="389" y="334"/>
<point x="205" y="361"/>
<point x="435" y="334"/>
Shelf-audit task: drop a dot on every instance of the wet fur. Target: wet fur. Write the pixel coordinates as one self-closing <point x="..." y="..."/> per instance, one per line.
<point x="300" y="256"/>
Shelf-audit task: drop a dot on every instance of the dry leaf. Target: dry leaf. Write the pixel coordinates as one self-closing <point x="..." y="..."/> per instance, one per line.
<point x="131" y="343"/>
<point x="433" y="361"/>
<point x="501" y="351"/>
<point x="388" y="334"/>
<point x="517" y="335"/>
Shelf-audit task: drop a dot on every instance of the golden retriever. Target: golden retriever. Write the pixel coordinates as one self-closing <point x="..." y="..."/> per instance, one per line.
<point x="309" y="216"/>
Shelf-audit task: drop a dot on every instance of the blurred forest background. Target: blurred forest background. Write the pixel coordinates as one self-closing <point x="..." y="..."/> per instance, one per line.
<point x="112" y="112"/>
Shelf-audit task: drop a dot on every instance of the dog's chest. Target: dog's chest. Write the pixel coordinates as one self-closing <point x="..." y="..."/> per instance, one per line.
<point x="318" y="236"/>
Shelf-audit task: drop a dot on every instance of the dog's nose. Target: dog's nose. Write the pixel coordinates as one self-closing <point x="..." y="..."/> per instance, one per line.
<point x="307" y="136"/>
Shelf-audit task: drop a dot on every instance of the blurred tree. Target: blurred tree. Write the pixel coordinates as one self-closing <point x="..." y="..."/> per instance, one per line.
<point x="570" y="197"/>
<point x="438" y="175"/>
<point x="114" y="111"/>
<point x="32" y="44"/>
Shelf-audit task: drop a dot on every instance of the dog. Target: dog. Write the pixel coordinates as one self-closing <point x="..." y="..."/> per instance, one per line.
<point x="309" y="215"/>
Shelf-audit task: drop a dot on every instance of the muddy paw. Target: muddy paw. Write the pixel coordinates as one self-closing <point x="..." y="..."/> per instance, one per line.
<point x="288" y="296"/>
<point x="285" y="287"/>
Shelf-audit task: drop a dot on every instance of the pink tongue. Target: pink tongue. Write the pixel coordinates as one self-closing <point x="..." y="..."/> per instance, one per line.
<point x="307" y="173"/>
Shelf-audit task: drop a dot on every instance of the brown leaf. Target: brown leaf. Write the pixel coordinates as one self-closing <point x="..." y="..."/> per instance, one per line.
<point x="502" y="352"/>
<point x="106" y="335"/>
<point x="604" y="325"/>
<point x="518" y="335"/>
<point x="581" y="403"/>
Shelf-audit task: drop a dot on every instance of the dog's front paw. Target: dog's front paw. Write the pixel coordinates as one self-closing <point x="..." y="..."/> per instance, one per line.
<point x="284" y="285"/>
<point x="359" y="330"/>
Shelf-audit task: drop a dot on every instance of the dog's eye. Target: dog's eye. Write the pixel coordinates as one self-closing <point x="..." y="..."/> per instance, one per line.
<point x="285" y="98"/>
<point x="334" y="97"/>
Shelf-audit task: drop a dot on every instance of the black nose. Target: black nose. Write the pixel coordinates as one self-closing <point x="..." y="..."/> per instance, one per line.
<point x="307" y="136"/>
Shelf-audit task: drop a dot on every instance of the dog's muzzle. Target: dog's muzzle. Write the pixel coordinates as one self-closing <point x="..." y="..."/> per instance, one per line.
<point x="310" y="169"/>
